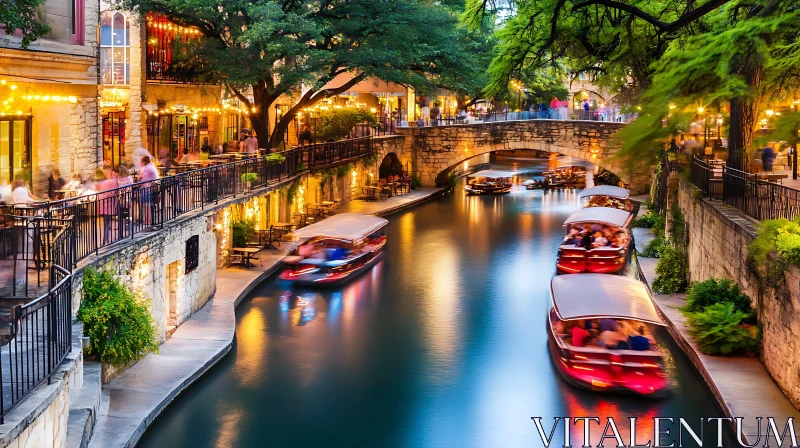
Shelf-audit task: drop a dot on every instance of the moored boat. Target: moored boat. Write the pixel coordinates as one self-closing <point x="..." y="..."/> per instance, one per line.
<point x="597" y="240"/>
<point x="606" y="196"/>
<point x="489" y="182"/>
<point x="336" y="249"/>
<point x="600" y="332"/>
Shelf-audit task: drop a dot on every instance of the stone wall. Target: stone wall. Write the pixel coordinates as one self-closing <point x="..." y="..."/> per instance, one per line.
<point x="437" y="149"/>
<point x="718" y="237"/>
<point x="145" y="265"/>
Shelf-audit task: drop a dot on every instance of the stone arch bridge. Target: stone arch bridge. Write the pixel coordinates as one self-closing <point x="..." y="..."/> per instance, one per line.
<point x="435" y="150"/>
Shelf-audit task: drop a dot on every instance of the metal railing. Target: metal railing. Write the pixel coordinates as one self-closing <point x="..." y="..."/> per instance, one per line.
<point x="494" y="117"/>
<point x="37" y="336"/>
<point x="707" y="177"/>
<point x="106" y="217"/>
<point x="759" y="197"/>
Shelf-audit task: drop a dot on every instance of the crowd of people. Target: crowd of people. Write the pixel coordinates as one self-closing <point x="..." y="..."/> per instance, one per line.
<point x="590" y="236"/>
<point x="609" y="201"/>
<point x="615" y="334"/>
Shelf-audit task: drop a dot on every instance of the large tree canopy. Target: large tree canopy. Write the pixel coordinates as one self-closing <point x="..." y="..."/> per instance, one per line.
<point x="274" y="47"/>
<point x="679" y="52"/>
<point x="21" y="15"/>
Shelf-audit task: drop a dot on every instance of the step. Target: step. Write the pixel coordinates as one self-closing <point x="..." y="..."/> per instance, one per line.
<point x="84" y="407"/>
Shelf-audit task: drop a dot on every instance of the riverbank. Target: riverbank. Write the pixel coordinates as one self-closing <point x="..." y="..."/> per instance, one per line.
<point x="741" y="384"/>
<point x="132" y="401"/>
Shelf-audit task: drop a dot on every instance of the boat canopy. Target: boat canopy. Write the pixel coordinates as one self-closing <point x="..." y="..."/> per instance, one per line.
<point x="606" y="190"/>
<point x="585" y="296"/>
<point x="605" y="215"/>
<point x="494" y="174"/>
<point x="344" y="226"/>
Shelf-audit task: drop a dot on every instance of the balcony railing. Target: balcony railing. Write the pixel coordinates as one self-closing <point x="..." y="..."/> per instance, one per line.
<point x="104" y="218"/>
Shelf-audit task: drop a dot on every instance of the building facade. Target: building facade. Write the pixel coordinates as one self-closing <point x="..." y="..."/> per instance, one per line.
<point x="48" y="97"/>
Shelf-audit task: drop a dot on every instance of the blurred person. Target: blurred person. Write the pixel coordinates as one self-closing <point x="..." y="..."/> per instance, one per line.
<point x="74" y="184"/>
<point x="149" y="198"/>
<point x="579" y="334"/>
<point x="306" y="138"/>
<point x="639" y="341"/>
<point x="21" y="194"/>
<point x="54" y="183"/>
<point x="5" y="192"/>
<point x="124" y="176"/>
<point x="107" y="207"/>
<point x="137" y="155"/>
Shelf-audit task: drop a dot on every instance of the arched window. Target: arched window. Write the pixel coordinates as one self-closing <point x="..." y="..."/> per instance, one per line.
<point x="115" y="48"/>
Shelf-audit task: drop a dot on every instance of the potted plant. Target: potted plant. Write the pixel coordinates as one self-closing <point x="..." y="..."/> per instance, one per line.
<point x="275" y="158"/>
<point x="248" y="178"/>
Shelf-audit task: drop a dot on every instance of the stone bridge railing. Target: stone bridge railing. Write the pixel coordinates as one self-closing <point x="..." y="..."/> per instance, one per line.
<point x="436" y="150"/>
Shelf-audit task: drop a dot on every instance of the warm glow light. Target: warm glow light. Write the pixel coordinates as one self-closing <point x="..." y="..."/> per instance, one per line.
<point x="13" y="87"/>
<point x="770" y="112"/>
<point x="700" y="110"/>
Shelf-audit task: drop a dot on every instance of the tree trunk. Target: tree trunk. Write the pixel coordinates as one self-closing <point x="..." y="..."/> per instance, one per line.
<point x="744" y="116"/>
<point x="260" y="118"/>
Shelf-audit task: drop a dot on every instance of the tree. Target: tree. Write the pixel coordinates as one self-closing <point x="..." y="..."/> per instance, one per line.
<point x="275" y="47"/>
<point x="21" y="15"/>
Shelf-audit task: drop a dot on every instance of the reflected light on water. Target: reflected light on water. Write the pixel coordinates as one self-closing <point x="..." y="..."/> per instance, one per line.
<point x="228" y="428"/>
<point x="251" y="341"/>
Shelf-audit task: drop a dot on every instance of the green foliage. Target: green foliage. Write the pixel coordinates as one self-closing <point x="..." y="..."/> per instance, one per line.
<point x="712" y="291"/>
<point x="415" y="182"/>
<point x="645" y="221"/>
<point x="275" y="158"/>
<point x="787" y="242"/>
<point x="677" y="226"/>
<point x="337" y="124"/>
<point x="659" y="225"/>
<point x="120" y="328"/>
<point x="720" y="330"/>
<point x="292" y="191"/>
<point x="343" y="170"/>
<point x="369" y="160"/>
<point x="300" y="168"/>
<point x="23" y="15"/>
<point x="326" y="176"/>
<point x="243" y="230"/>
<point x="249" y="177"/>
<point x="655" y="247"/>
<point x="671" y="270"/>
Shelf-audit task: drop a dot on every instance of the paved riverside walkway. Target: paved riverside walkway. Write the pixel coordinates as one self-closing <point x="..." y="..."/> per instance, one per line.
<point x="741" y="384"/>
<point x="133" y="400"/>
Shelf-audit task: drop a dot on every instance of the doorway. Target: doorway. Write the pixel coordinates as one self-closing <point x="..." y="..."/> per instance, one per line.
<point x="15" y="149"/>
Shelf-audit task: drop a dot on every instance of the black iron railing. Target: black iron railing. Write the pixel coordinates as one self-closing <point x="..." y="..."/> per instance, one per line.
<point x="708" y="177"/>
<point x="36" y="337"/>
<point x="759" y="197"/>
<point x="104" y="218"/>
<point x="493" y="117"/>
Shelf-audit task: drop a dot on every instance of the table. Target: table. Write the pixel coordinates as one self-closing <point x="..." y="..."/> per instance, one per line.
<point x="326" y="207"/>
<point x="67" y="193"/>
<point x="774" y="177"/>
<point x="371" y="192"/>
<point x="247" y="253"/>
<point x="266" y="238"/>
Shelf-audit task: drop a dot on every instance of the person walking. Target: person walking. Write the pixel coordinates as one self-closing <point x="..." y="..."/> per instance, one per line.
<point x="305" y="137"/>
<point x="55" y="183"/>
<point x="149" y="199"/>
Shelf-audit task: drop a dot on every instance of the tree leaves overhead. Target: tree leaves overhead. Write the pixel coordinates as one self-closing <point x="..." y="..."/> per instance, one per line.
<point x="21" y="15"/>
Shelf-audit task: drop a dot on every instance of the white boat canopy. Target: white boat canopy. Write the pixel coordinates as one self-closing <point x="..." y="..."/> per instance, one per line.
<point x="493" y="174"/>
<point x="344" y="226"/>
<point x="605" y="215"/>
<point x="606" y="190"/>
<point x="585" y="296"/>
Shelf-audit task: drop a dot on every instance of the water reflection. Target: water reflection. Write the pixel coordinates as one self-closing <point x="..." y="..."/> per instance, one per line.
<point x="441" y="344"/>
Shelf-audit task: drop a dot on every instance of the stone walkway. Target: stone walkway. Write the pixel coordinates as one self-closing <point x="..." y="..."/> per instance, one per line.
<point x="133" y="400"/>
<point x="741" y="384"/>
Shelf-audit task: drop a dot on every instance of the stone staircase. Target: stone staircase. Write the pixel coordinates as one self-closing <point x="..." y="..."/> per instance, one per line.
<point x="84" y="406"/>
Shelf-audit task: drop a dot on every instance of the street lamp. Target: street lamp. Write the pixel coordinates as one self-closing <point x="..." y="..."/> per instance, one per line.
<point x="700" y="111"/>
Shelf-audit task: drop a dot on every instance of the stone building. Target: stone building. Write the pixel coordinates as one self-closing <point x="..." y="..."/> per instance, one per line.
<point x="48" y="97"/>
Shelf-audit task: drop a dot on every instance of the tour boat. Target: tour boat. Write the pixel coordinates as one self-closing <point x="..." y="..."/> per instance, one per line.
<point x="489" y="182"/>
<point x="621" y="305"/>
<point x="565" y="177"/>
<point x="610" y="256"/>
<point x="336" y="249"/>
<point x="606" y="196"/>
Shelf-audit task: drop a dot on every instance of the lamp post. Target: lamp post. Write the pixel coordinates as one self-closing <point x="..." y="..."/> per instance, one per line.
<point x="700" y="111"/>
<point x="719" y="129"/>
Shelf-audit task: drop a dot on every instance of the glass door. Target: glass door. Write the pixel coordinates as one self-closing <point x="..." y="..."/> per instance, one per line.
<point x="15" y="150"/>
<point x="114" y="138"/>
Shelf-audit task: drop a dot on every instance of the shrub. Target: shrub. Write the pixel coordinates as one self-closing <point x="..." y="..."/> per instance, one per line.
<point x="655" y="247"/>
<point x="713" y="291"/>
<point x="415" y="182"/>
<point x="243" y="230"/>
<point x="659" y="224"/>
<point x="452" y="180"/>
<point x="719" y="330"/>
<point x="300" y="167"/>
<point x="645" y="221"/>
<point x="249" y="177"/>
<point x="343" y="170"/>
<point x="275" y="158"/>
<point x="119" y="327"/>
<point x="787" y="242"/>
<point x="337" y="123"/>
<point x="671" y="270"/>
<point x="677" y="228"/>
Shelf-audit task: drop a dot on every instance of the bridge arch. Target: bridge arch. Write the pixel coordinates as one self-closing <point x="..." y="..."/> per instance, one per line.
<point x="437" y="149"/>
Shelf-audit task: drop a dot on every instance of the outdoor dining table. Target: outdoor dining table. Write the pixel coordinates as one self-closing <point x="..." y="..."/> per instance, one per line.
<point x="267" y="237"/>
<point x="371" y="192"/>
<point x="247" y="253"/>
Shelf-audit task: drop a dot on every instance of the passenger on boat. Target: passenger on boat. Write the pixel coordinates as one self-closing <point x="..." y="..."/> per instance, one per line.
<point x="579" y="334"/>
<point x="586" y="240"/>
<point x="613" y="339"/>
<point x="599" y="240"/>
<point x="640" y="341"/>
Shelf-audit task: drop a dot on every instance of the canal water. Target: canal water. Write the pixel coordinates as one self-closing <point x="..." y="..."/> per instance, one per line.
<point x="441" y="344"/>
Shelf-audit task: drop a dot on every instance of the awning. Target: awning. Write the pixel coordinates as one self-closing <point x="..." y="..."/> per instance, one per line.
<point x="493" y="174"/>
<point x="344" y="226"/>
<point x="584" y="296"/>
<point x="369" y="85"/>
<point x="605" y="215"/>
<point x="606" y="190"/>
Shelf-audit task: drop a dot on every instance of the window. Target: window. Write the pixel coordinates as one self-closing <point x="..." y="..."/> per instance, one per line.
<point x="115" y="48"/>
<point x="192" y="253"/>
<point x="15" y="149"/>
<point x="114" y="137"/>
<point x="77" y="21"/>
<point x="232" y="128"/>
